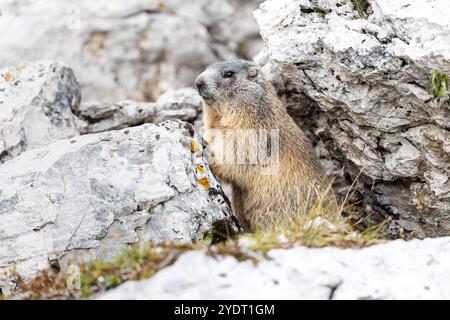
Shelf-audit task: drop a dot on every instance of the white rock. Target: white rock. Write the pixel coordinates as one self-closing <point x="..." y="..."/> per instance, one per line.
<point x="396" y="270"/>
<point x="369" y="79"/>
<point x="40" y="103"/>
<point x="36" y="102"/>
<point x="123" y="50"/>
<point x="92" y="195"/>
<point x="318" y="223"/>
<point x="183" y="104"/>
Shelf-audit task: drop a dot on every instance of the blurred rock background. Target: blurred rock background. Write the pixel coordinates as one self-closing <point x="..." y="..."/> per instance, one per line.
<point x="128" y="49"/>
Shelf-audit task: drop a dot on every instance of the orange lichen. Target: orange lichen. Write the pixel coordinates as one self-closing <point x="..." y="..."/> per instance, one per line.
<point x="9" y="76"/>
<point x="195" y="148"/>
<point x="200" y="169"/>
<point x="204" y="182"/>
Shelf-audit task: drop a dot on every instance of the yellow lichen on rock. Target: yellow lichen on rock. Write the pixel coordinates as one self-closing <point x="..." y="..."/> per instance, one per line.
<point x="204" y="182"/>
<point x="195" y="148"/>
<point x="200" y="169"/>
<point x="8" y="76"/>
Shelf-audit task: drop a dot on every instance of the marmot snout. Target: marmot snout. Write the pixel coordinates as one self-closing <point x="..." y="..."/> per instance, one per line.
<point x="256" y="147"/>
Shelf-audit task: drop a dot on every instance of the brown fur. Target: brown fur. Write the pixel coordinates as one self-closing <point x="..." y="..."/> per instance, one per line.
<point x="259" y="201"/>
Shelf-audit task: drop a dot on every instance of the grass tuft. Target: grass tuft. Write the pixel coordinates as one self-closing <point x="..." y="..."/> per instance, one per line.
<point x="361" y="7"/>
<point x="438" y="84"/>
<point x="139" y="262"/>
<point x="315" y="231"/>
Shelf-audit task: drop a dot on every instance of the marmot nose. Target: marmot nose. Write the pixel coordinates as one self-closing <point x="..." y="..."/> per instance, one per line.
<point x="200" y="84"/>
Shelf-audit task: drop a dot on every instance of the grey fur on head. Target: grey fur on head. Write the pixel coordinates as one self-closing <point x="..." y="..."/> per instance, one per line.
<point x="237" y="82"/>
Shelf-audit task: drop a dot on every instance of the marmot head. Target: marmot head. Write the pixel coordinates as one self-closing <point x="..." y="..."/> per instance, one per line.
<point x="231" y="83"/>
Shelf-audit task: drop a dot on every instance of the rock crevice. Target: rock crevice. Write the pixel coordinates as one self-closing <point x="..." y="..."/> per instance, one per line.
<point x="369" y="79"/>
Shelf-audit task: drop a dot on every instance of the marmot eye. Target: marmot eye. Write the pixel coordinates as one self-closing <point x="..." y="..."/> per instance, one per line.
<point x="228" y="74"/>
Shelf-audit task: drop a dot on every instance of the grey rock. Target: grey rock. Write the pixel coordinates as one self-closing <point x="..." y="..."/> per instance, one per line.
<point x="41" y="103"/>
<point x="183" y="104"/>
<point x="127" y="50"/>
<point x="92" y="195"/>
<point x="244" y="29"/>
<point x="367" y="79"/>
<point x="378" y="272"/>
<point x="36" y="102"/>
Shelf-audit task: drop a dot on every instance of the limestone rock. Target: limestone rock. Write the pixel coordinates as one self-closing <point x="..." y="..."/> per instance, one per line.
<point x="90" y="196"/>
<point x="183" y="104"/>
<point x="379" y="272"/>
<point x="367" y="73"/>
<point x="127" y="50"/>
<point x="41" y="103"/>
<point x="36" y="102"/>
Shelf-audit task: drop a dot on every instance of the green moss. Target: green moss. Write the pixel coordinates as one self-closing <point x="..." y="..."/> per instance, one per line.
<point x="322" y="13"/>
<point x="143" y="261"/>
<point x="361" y="7"/>
<point x="86" y="285"/>
<point x="438" y="84"/>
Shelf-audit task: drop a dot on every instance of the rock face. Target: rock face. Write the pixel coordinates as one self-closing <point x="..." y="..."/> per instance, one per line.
<point x="367" y="69"/>
<point x="183" y="104"/>
<point x="379" y="272"/>
<point x="244" y="29"/>
<point x="91" y="195"/>
<point x="127" y="49"/>
<point x="32" y="116"/>
<point x="72" y="187"/>
<point x="41" y="103"/>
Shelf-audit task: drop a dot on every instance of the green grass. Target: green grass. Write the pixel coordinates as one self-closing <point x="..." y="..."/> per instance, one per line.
<point x="324" y="225"/>
<point x="322" y="13"/>
<point x="361" y="7"/>
<point x="138" y="262"/>
<point x="438" y="84"/>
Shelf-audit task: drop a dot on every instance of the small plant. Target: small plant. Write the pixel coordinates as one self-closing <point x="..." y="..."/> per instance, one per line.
<point x="438" y="84"/>
<point x="140" y="261"/>
<point x="319" y="225"/>
<point x="316" y="231"/>
<point x="361" y="7"/>
<point x="322" y="13"/>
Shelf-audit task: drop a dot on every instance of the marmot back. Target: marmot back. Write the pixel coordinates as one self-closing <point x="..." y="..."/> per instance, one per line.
<point x="257" y="148"/>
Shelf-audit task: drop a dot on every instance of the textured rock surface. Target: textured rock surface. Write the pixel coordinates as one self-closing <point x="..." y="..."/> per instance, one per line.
<point x="373" y="112"/>
<point x="396" y="270"/>
<point x="127" y="49"/>
<point x="40" y="103"/>
<point x="36" y="102"/>
<point x="91" y="195"/>
<point x="183" y="104"/>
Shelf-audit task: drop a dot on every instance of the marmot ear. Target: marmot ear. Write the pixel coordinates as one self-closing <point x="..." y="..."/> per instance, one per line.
<point x="252" y="72"/>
